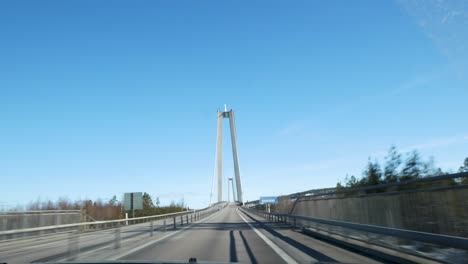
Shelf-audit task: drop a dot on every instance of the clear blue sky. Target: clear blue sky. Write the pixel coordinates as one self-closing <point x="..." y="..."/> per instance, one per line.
<point x="104" y="97"/>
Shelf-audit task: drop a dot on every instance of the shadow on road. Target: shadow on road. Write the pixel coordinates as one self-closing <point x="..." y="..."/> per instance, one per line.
<point x="248" y="249"/>
<point x="221" y="226"/>
<point x="233" y="250"/>
<point x="309" y="251"/>
<point x="232" y="247"/>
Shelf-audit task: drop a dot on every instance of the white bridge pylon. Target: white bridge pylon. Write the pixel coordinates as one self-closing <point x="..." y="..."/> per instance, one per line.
<point x="219" y="153"/>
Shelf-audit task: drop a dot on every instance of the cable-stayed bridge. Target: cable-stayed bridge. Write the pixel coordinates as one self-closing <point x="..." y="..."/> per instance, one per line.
<point x="417" y="221"/>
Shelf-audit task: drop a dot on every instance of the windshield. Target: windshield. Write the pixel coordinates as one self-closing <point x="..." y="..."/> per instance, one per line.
<point x="234" y="131"/>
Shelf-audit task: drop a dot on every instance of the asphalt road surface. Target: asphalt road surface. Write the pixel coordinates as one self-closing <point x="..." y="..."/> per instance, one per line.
<point x="223" y="234"/>
<point x="233" y="236"/>
<point x="92" y="245"/>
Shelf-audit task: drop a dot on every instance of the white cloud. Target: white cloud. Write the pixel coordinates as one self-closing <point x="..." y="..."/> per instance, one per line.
<point x="293" y="128"/>
<point x="350" y="163"/>
<point x="444" y="22"/>
<point x="438" y="143"/>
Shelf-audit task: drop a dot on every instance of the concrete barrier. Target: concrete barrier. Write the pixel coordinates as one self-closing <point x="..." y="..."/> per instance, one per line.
<point x="443" y="211"/>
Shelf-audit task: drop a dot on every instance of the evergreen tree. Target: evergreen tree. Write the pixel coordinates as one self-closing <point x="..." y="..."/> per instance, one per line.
<point x="464" y="168"/>
<point x="339" y="186"/>
<point x="393" y="161"/>
<point x="428" y="168"/>
<point x="113" y="201"/>
<point x="147" y="201"/>
<point x="372" y="174"/>
<point x="157" y="202"/>
<point x="439" y="172"/>
<point x="412" y="168"/>
<point x="352" y="182"/>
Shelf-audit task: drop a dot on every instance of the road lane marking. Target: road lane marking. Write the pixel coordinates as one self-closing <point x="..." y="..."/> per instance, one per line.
<point x="272" y="245"/>
<point x="133" y="250"/>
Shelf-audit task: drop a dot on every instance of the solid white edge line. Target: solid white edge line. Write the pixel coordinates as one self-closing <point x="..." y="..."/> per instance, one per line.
<point x="133" y="250"/>
<point x="272" y="245"/>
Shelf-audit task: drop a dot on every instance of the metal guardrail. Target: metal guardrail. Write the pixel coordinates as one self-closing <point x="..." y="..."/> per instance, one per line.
<point x="110" y="223"/>
<point x="444" y="240"/>
<point x="39" y="212"/>
<point x="252" y="203"/>
<point x="323" y="191"/>
<point x="10" y="220"/>
<point x="327" y="192"/>
<point x="74" y="231"/>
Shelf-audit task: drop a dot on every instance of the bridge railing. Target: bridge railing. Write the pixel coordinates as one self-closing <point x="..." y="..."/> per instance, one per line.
<point x="109" y="232"/>
<point x="427" y="245"/>
<point x="393" y="186"/>
<point x="171" y="220"/>
<point x="31" y="219"/>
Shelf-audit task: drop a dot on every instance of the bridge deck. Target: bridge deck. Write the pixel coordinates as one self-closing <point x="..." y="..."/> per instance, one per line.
<point x="228" y="235"/>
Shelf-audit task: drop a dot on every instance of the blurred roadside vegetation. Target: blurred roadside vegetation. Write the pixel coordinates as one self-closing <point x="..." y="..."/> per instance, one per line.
<point x="397" y="169"/>
<point x="108" y="210"/>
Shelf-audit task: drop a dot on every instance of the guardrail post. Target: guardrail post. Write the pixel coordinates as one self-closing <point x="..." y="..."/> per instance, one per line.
<point x="151" y="226"/>
<point x="174" y="222"/>
<point x="165" y="225"/>
<point x="117" y="236"/>
<point x="73" y="245"/>
<point x="186" y="219"/>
